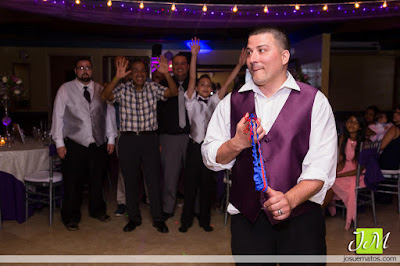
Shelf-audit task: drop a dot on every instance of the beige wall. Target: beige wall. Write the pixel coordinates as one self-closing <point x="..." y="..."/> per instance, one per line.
<point x="357" y="81"/>
<point x="38" y="58"/>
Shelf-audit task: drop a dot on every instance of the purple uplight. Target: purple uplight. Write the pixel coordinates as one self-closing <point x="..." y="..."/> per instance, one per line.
<point x="204" y="14"/>
<point x="318" y="13"/>
<point x="257" y="15"/>
<point x="94" y="6"/>
<point x="184" y="9"/>
<point x="148" y="9"/>
<point x="364" y="9"/>
<point x="311" y="10"/>
<point x="294" y="11"/>
<point x="276" y="14"/>
<point x="6" y="120"/>
<point x="339" y="8"/>
<point x="212" y="13"/>
<point x="72" y="5"/>
<point x="345" y="12"/>
<point x="247" y="13"/>
<point x="101" y="5"/>
<point x="122" y="5"/>
<point x="373" y="9"/>
<point x="354" y="11"/>
<point x="131" y="9"/>
<point x="63" y="2"/>
<point x="284" y="13"/>
<point x="54" y="2"/>
<point x="302" y="13"/>
<point x="222" y="14"/>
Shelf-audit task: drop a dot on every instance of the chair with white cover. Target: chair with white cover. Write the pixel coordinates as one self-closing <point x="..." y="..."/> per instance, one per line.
<point x="391" y="184"/>
<point x="40" y="187"/>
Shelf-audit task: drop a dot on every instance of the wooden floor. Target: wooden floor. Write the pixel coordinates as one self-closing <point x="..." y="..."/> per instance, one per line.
<point x="35" y="237"/>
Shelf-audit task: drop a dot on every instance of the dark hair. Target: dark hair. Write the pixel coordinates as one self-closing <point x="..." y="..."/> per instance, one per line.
<point x="359" y="137"/>
<point x="375" y="109"/>
<point x="140" y="61"/>
<point x="203" y="76"/>
<point x="83" y="58"/>
<point x="180" y="54"/>
<point x="278" y="33"/>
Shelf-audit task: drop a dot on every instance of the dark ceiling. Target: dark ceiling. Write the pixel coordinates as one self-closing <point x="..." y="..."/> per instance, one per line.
<point x="32" y="27"/>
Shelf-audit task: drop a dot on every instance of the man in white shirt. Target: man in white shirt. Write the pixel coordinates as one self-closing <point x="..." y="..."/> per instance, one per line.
<point x="297" y="135"/>
<point x="82" y="124"/>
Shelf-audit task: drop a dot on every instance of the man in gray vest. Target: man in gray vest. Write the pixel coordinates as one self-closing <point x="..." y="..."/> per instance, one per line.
<point x="82" y="123"/>
<point x="298" y="143"/>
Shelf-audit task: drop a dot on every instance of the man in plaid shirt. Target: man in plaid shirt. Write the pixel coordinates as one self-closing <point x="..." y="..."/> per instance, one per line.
<point x="138" y="143"/>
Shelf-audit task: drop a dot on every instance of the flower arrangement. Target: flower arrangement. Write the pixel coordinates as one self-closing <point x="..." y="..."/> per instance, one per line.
<point x="10" y="85"/>
<point x="300" y="76"/>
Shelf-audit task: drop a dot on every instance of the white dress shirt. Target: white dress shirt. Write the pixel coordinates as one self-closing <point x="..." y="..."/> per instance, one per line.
<point x="199" y="114"/>
<point x="60" y="103"/>
<point x="321" y="158"/>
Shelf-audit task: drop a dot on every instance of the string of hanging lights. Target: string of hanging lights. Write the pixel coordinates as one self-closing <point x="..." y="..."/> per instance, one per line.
<point x="204" y="9"/>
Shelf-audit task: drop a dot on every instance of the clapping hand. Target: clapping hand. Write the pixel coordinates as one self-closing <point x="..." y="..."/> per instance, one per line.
<point x="162" y="65"/>
<point x="195" y="46"/>
<point x="121" y="65"/>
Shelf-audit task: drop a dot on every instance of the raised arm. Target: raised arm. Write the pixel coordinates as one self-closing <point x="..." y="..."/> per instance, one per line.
<point x="240" y="64"/>
<point x="121" y="73"/>
<point x="195" y="49"/>
<point x="163" y="69"/>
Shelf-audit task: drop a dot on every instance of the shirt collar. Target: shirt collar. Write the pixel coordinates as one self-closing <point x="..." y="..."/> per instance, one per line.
<point x="290" y="83"/>
<point x="81" y="85"/>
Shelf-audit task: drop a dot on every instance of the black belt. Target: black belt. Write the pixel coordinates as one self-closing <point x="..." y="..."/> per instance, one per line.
<point x="138" y="133"/>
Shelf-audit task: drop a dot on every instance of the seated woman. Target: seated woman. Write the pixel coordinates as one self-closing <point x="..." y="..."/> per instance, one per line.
<point x="344" y="186"/>
<point x="390" y="157"/>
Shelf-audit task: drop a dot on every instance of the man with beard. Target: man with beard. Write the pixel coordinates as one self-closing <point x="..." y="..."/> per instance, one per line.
<point x="82" y="123"/>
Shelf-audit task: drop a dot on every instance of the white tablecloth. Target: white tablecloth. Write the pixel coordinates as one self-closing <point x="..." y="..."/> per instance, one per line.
<point x="23" y="159"/>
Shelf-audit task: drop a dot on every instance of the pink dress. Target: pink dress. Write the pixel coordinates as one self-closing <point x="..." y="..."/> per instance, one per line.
<point x="344" y="187"/>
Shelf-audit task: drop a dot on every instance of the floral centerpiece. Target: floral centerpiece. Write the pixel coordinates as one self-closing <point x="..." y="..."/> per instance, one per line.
<point x="10" y="86"/>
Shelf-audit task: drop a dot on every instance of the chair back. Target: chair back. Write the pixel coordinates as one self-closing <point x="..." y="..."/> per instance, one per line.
<point x="368" y="159"/>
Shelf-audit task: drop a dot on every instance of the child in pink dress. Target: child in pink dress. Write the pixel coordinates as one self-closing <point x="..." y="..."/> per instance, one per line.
<point x="345" y="183"/>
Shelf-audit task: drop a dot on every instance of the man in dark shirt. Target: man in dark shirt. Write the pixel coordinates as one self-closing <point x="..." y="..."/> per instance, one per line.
<point x="173" y="126"/>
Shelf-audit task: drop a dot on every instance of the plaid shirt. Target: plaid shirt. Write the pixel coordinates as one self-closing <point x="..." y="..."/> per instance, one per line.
<point x="138" y="109"/>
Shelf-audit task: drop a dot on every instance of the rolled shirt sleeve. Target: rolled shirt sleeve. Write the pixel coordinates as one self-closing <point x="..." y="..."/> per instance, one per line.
<point x="321" y="159"/>
<point x="218" y="132"/>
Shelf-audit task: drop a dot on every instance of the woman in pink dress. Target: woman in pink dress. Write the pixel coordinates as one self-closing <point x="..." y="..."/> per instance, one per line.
<point x="345" y="183"/>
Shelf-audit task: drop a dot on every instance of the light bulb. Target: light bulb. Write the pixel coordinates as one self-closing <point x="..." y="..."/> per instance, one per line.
<point x="235" y="9"/>
<point x="384" y="5"/>
<point x="325" y="8"/>
<point x="356" y="5"/>
<point x="173" y="7"/>
<point x="109" y="3"/>
<point x="77" y="2"/>
<point x="297" y="7"/>
<point x="204" y="8"/>
<point x="265" y="9"/>
<point x="141" y="5"/>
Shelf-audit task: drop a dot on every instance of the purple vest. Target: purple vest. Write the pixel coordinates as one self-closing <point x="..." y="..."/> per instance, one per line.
<point x="283" y="148"/>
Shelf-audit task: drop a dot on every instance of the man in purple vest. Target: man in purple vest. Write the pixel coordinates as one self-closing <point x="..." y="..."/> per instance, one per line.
<point x="298" y="142"/>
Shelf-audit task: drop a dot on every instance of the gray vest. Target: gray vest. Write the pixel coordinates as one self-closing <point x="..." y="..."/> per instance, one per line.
<point x="77" y="109"/>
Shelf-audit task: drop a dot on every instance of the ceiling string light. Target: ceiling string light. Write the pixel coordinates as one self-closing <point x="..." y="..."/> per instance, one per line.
<point x="278" y="10"/>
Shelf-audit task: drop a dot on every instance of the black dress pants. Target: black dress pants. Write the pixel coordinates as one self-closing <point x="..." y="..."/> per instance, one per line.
<point x="301" y="235"/>
<point x="133" y="152"/>
<point x="83" y="163"/>
<point x="198" y="178"/>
